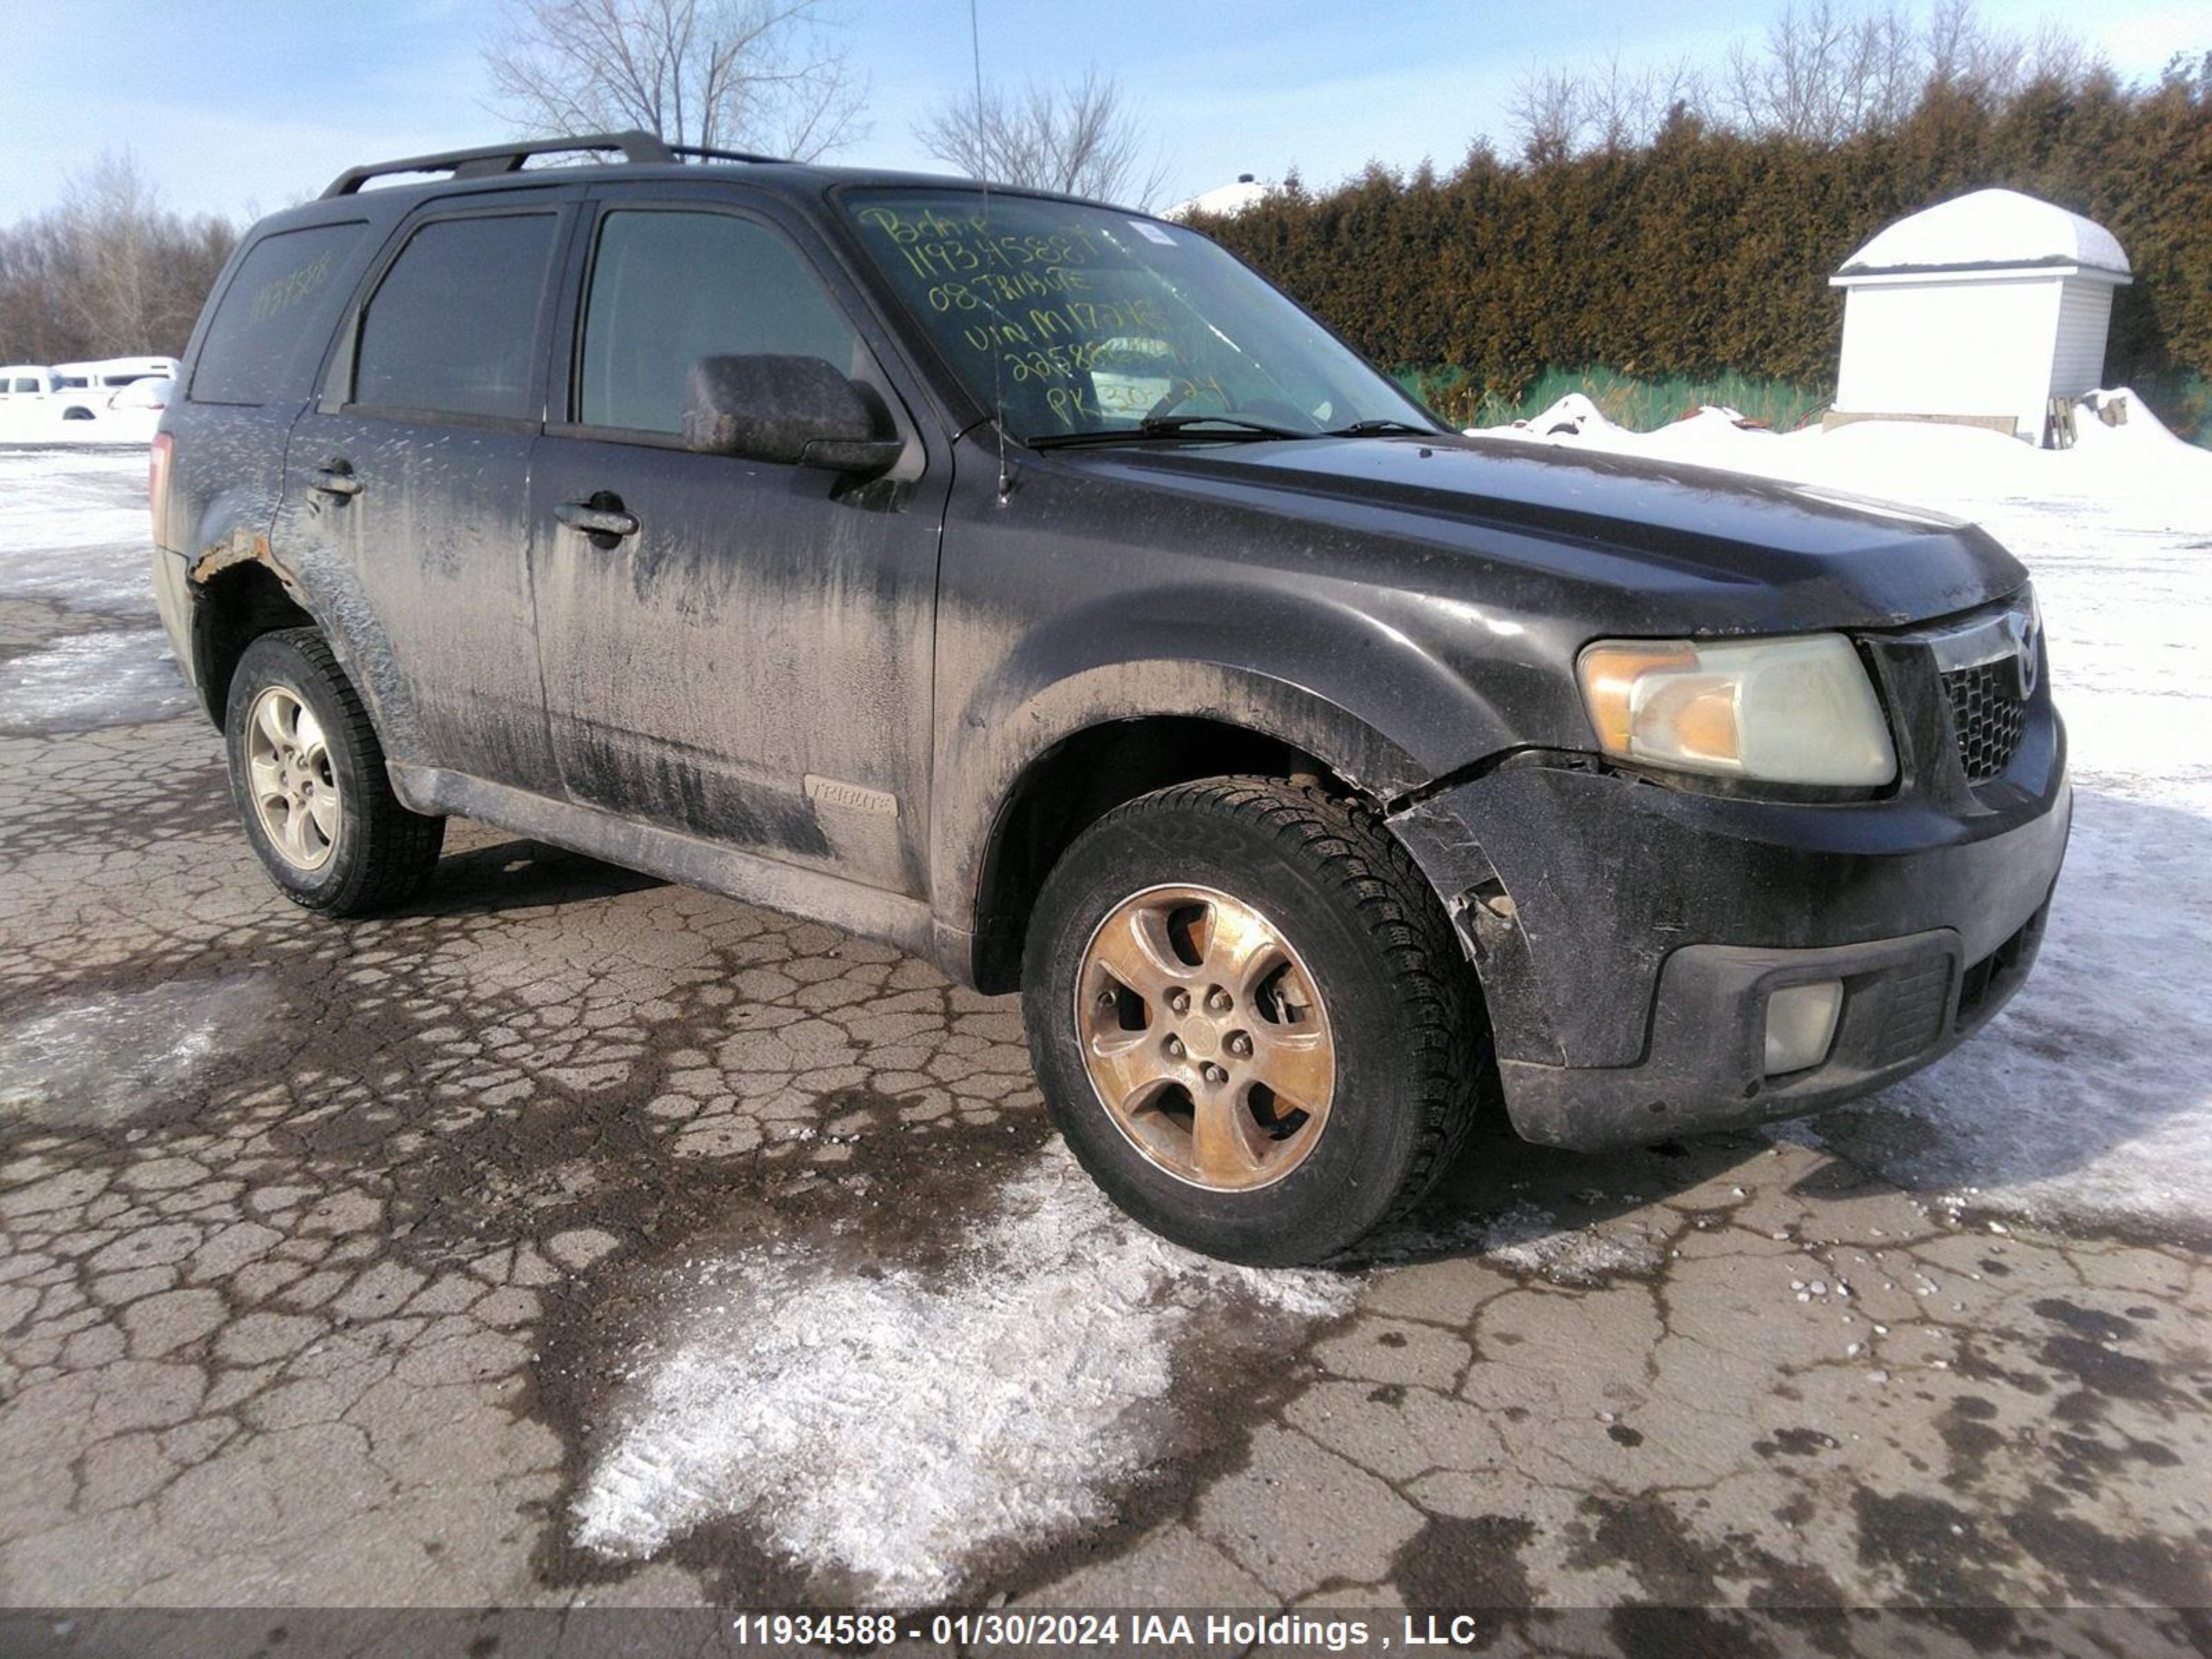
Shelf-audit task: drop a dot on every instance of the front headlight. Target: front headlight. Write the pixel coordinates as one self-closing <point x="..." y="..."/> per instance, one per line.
<point x="1795" y="710"/>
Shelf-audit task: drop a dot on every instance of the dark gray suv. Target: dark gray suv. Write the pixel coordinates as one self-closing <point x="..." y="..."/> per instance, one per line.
<point x="1024" y="581"/>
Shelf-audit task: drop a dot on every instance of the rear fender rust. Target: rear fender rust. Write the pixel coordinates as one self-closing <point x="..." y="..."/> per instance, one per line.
<point x="1486" y="919"/>
<point x="244" y="547"/>
<point x="241" y="546"/>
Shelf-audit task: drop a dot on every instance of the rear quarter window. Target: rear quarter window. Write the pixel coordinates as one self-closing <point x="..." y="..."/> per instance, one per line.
<point x="287" y="291"/>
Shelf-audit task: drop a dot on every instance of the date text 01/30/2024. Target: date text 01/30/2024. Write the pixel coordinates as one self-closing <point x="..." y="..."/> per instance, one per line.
<point x="1005" y="1627"/>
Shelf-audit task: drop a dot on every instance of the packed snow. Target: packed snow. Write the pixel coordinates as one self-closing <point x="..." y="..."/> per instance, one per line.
<point x="74" y="531"/>
<point x="863" y="1418"/>
<point x="2089" y="1099"/>
<point x="41" y="422"/>
<point x="1985" y="227"/>
<point x="73" y="535"/>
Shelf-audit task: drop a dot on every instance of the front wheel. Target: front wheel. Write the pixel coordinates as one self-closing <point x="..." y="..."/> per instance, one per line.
<point x="1250" y="1019"/>
<point x="307" y="774"/>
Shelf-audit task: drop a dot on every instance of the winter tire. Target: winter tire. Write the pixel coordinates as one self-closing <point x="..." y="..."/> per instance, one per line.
<point x="306" y="773"/>
<point x="1250" y="1019"/>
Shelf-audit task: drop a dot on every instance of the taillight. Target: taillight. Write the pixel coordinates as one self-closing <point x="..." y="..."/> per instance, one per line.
<point x="157" y="486"/>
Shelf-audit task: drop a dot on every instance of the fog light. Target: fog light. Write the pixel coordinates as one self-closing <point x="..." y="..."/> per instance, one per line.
<point x="1801" y="1023"/>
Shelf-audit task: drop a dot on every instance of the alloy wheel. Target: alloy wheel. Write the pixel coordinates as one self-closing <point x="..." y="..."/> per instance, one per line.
<point x="1206" y="1037"/>
<point x="295" y="792"/>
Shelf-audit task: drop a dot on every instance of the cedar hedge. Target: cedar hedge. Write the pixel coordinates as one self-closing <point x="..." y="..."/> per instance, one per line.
<point x="1709" y="250"/>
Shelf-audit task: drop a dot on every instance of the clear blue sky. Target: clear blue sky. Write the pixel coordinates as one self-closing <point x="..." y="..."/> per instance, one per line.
<point x="231" y="105"/>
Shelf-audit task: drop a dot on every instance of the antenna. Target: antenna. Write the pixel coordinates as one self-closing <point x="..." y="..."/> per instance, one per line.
<point x="983" y="154"/>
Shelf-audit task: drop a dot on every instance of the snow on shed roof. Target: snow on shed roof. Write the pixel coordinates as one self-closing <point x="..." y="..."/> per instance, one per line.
<point x="1223" y="200"/>
<point x="1989" y="229"/>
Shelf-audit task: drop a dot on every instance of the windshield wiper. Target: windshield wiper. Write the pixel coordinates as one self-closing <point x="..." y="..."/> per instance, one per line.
<point x="1378" y="429"/>
<point x="1231" y="427"/>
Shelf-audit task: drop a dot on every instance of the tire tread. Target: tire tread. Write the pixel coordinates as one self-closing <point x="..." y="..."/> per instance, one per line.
<point x="1342" y="839"/>
<point x="399" y="848"/>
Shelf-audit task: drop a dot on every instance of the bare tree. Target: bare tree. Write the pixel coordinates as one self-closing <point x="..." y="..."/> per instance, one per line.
<point x="1823" y="72"/>
<point x="732" y="74"/>
<point x="108" y="218"/>
<point x="1625" y="105"/>
<point x="1613" y="106"/>
<point x="1548" y="114"/>
<point x="2061" y="57"/>
<point x="1077" y="138"/>
<point x="1808" y="74"/>
<point x="1824" y="75"/>
<point x="108" y="272"/>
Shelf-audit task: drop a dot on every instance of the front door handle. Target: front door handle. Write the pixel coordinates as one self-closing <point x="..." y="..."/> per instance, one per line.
<point x="596" y="518"/>
<point x="337" y="479"/>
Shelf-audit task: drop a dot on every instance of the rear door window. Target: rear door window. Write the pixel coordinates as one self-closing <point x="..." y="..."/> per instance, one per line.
<point x="452" y="328"/>
<point x="669" y="288"/>
<point x="286" y="291"/>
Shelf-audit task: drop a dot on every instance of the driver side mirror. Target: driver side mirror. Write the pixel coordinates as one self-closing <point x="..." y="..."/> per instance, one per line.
<point x="799" y="411"/>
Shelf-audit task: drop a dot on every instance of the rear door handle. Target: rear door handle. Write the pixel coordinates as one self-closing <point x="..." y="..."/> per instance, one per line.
<point x="337" y="479"/>
<point x="596" y="521"/>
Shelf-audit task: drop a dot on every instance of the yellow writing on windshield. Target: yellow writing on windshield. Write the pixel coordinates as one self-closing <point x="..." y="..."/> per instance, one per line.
<point x="1052" y="306"/>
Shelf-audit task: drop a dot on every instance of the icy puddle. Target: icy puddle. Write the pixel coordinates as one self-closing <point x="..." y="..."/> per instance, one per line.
<point x="865" y="1419"/>
<point x="82" y="681"/>
<point x="92" y="1063"/>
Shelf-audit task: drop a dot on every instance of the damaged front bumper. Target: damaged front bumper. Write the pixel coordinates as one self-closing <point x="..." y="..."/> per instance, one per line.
<point x="1629" y="935"/>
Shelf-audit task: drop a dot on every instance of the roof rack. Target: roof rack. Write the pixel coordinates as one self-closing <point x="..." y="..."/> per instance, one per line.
<point x="636" y="148"/>
<point x="705" y="154"/>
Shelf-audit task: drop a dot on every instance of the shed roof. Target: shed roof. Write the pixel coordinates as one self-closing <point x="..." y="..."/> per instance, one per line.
<point x="1989" y="229"/>
<point x="1223" y="201"/>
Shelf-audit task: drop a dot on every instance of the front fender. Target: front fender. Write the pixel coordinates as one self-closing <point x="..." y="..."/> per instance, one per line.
<point x="1323" y="677"/>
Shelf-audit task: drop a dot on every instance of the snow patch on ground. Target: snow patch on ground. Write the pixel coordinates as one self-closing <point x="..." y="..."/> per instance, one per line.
<point x="1526" y="1239"/>
<point x="42" y="423"/>
<point x="123" y="677"/>
<point x="92" y="1063"/>
<point x="1529" y="1240"/>
<point x="73" y="530"/>
<point x="861" y="1418"/>
<point x="2137" y="470"/>
<point x="2089" y="1099"/>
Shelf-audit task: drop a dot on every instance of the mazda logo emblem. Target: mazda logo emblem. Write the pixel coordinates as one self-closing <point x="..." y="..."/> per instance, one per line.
<point x="2020" y="632"/>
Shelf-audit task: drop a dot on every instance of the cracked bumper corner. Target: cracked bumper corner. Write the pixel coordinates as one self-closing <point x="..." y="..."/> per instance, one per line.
<point x="1627" y="937"/>
<point x="1907" y="1002"/>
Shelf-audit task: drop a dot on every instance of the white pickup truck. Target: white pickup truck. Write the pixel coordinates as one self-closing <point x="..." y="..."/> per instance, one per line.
<point x="33" y="396"/>
<point x="21" y="383"/>
<point x="100" y="385"/>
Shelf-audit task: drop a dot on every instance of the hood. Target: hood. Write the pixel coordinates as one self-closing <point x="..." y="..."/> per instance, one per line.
<point x="1684" y="547"/>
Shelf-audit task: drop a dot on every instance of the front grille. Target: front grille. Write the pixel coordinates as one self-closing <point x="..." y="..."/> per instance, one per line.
<point x="1989" y="714"/>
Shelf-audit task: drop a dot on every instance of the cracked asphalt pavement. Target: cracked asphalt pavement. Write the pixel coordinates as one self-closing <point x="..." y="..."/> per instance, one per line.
<point x="572" y="1238"/>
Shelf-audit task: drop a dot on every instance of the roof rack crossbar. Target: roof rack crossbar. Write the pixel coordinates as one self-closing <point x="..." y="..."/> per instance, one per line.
<point x="636" y="148"/>
<point x="706" y="153"/>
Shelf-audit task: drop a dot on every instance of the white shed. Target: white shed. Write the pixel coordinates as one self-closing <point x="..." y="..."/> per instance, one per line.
<point x="1981" y="310"/>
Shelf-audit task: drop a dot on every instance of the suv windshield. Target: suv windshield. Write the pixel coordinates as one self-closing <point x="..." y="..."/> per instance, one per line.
<point x="1080" y="320"/>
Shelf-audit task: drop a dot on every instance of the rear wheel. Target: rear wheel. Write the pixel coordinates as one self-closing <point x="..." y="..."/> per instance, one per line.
<point x="306" y="773"/>
<point x="1251" y="1019"/>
